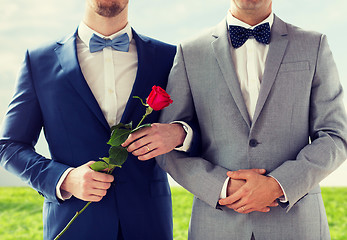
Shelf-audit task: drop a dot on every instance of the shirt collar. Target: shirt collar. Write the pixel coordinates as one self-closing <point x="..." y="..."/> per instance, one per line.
<point x="85" y="33"/>
<point x="231" y="20"/>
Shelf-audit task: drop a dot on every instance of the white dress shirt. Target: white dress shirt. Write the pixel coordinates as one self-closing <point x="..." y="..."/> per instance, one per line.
<point x="110" y="75"/>
<point x="249" y="61"/>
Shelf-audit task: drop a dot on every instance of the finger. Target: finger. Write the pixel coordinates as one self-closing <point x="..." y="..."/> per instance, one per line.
<point x="145" y="149"/>
<point x="92" y="194"/>
<point x="135" y="136"/>
<point x="102" y="177"/>
<point x="239" y="210"/>
<point x="92" y="198"/>
<point x="264" y="210"/>
<point x="242" y="209"/>
<point x="246" y="173"/>
<point x="274" y="204"/>
<point x="232" y="199"/>
<point x="240" y="205"/>
<point x="98" y="192"/>
<point x="240" y="174"/>
<point x="100" y="185"/>
<point x="139" y="143"/>
<point x="149" y="155"/>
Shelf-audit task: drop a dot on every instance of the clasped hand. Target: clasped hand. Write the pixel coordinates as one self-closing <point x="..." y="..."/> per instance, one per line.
<point x="249" y="190"/>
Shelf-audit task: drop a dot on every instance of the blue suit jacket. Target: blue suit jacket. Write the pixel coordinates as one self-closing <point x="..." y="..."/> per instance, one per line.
<point x="52" y="94"/>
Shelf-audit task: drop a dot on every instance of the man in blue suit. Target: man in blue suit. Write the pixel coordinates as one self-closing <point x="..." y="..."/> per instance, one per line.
<point x="75" y="89"/>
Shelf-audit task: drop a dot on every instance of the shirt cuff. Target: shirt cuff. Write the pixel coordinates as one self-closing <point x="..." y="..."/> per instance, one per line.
<point x="61" y="194"/>
<point x="223" y="193"/>
<point x="284" y="198"/>
<point x="189" y="137"/>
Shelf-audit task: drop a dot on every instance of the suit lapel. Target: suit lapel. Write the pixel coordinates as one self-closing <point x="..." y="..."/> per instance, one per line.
<point x="221" y="48"/>
<point x="278" y="45"/>
<point x="67" y="55"/>
<point x="143" y="82"/>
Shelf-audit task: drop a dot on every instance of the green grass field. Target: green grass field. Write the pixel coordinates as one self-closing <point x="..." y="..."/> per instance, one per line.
<point x="20" y="213"/>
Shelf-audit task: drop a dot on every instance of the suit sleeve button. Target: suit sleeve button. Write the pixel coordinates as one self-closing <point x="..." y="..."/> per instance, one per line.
<point x="253" y="143"/>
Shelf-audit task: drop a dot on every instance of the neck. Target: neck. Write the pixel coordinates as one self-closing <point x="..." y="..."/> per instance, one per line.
<point x="105" y="25"/>
<point x="251" y="17"/>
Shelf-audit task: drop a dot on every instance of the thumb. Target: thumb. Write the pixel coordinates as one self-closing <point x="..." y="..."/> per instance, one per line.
<point x="89" y="163"/>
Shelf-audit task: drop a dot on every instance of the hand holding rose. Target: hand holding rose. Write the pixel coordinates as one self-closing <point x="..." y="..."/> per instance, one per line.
<point x="158" y="139"/>
<point x="90" y="181"/>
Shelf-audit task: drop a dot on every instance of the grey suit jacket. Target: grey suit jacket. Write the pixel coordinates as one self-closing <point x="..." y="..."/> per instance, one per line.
<point x="298" y="133"/>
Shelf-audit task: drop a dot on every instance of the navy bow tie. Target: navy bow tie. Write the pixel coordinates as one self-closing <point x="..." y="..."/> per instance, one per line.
<point x="120" y="43"/>
<point x="239" y="35"/>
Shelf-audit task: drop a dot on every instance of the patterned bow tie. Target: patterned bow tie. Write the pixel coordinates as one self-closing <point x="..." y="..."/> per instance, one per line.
<point x="120" y="43"/>
<point x="239" y="35"/>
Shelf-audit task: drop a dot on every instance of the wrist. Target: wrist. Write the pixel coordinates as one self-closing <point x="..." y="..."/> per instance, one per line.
<point x="181" y="133"/>
<point x="65" y="186"/>
<point x="276" y="188"/>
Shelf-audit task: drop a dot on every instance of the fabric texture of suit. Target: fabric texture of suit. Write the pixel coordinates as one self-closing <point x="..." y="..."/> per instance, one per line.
<point x="52" y="94"/>
<point x="298" y="133"/>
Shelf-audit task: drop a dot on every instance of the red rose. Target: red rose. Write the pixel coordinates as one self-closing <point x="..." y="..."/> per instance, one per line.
<point x="158" y="98"/>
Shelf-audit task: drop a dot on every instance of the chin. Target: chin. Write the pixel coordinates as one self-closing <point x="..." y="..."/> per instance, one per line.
<point x="110" y="8"/>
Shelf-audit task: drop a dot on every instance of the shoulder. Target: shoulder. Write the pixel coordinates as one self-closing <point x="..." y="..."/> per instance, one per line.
<point x="201" y="39"/>
<point x="151" y="42"/>
<point x="300" y="35"/>
<point x="47" y="49"/>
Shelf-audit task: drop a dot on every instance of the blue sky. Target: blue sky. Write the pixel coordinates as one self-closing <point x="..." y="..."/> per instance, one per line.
<point x="26" y="24"/>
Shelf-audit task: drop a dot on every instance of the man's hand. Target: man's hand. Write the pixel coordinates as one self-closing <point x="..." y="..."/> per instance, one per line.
<point x="156" y="140"/>
<point x="86" y="184"/>
<point x="236" y="184"/>
<point x="256" y="193"/>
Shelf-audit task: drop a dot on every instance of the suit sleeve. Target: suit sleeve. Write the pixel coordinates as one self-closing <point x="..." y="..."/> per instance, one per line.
<point x="20" y="131"/>
<point x="328" y="132"/>
<point x="199" y="176"/>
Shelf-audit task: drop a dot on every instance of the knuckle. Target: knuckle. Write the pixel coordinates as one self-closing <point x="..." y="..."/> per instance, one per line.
<point x="85" y="176"/>
<point x="84" y="186"/>
<point x="104" y="177"/>
<point x="246" y="191"/>
<point x="243" y="191"/>
<point x="142" y="151"/>
<point x="135" y="153"/>
<point x="89" y="175"/>
<point x="136" y="144"/>
<point x="84" y="194"/>
<point x="97" y="199"/>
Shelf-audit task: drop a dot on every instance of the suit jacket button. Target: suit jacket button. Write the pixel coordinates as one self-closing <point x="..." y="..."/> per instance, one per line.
<point x="253" y="143"/>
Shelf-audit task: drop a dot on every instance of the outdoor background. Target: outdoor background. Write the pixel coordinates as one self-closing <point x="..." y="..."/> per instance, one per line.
<point x="27" y="24"/>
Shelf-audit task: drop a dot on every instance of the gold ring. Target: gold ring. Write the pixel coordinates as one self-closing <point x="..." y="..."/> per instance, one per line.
<point x="243" y="209"/>
<point x="148" y="149"/>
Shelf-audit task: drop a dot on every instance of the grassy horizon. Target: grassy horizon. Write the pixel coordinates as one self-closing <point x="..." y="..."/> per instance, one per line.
<point x="21" y="212"/>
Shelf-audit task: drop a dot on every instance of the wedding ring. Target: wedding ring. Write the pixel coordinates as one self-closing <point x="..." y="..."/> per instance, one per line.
<point x="243" y="209"/>
<point x="148" y="149"/>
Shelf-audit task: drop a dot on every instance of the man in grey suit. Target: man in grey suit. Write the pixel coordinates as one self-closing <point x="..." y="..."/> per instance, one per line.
<point x="267" y="102"/>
